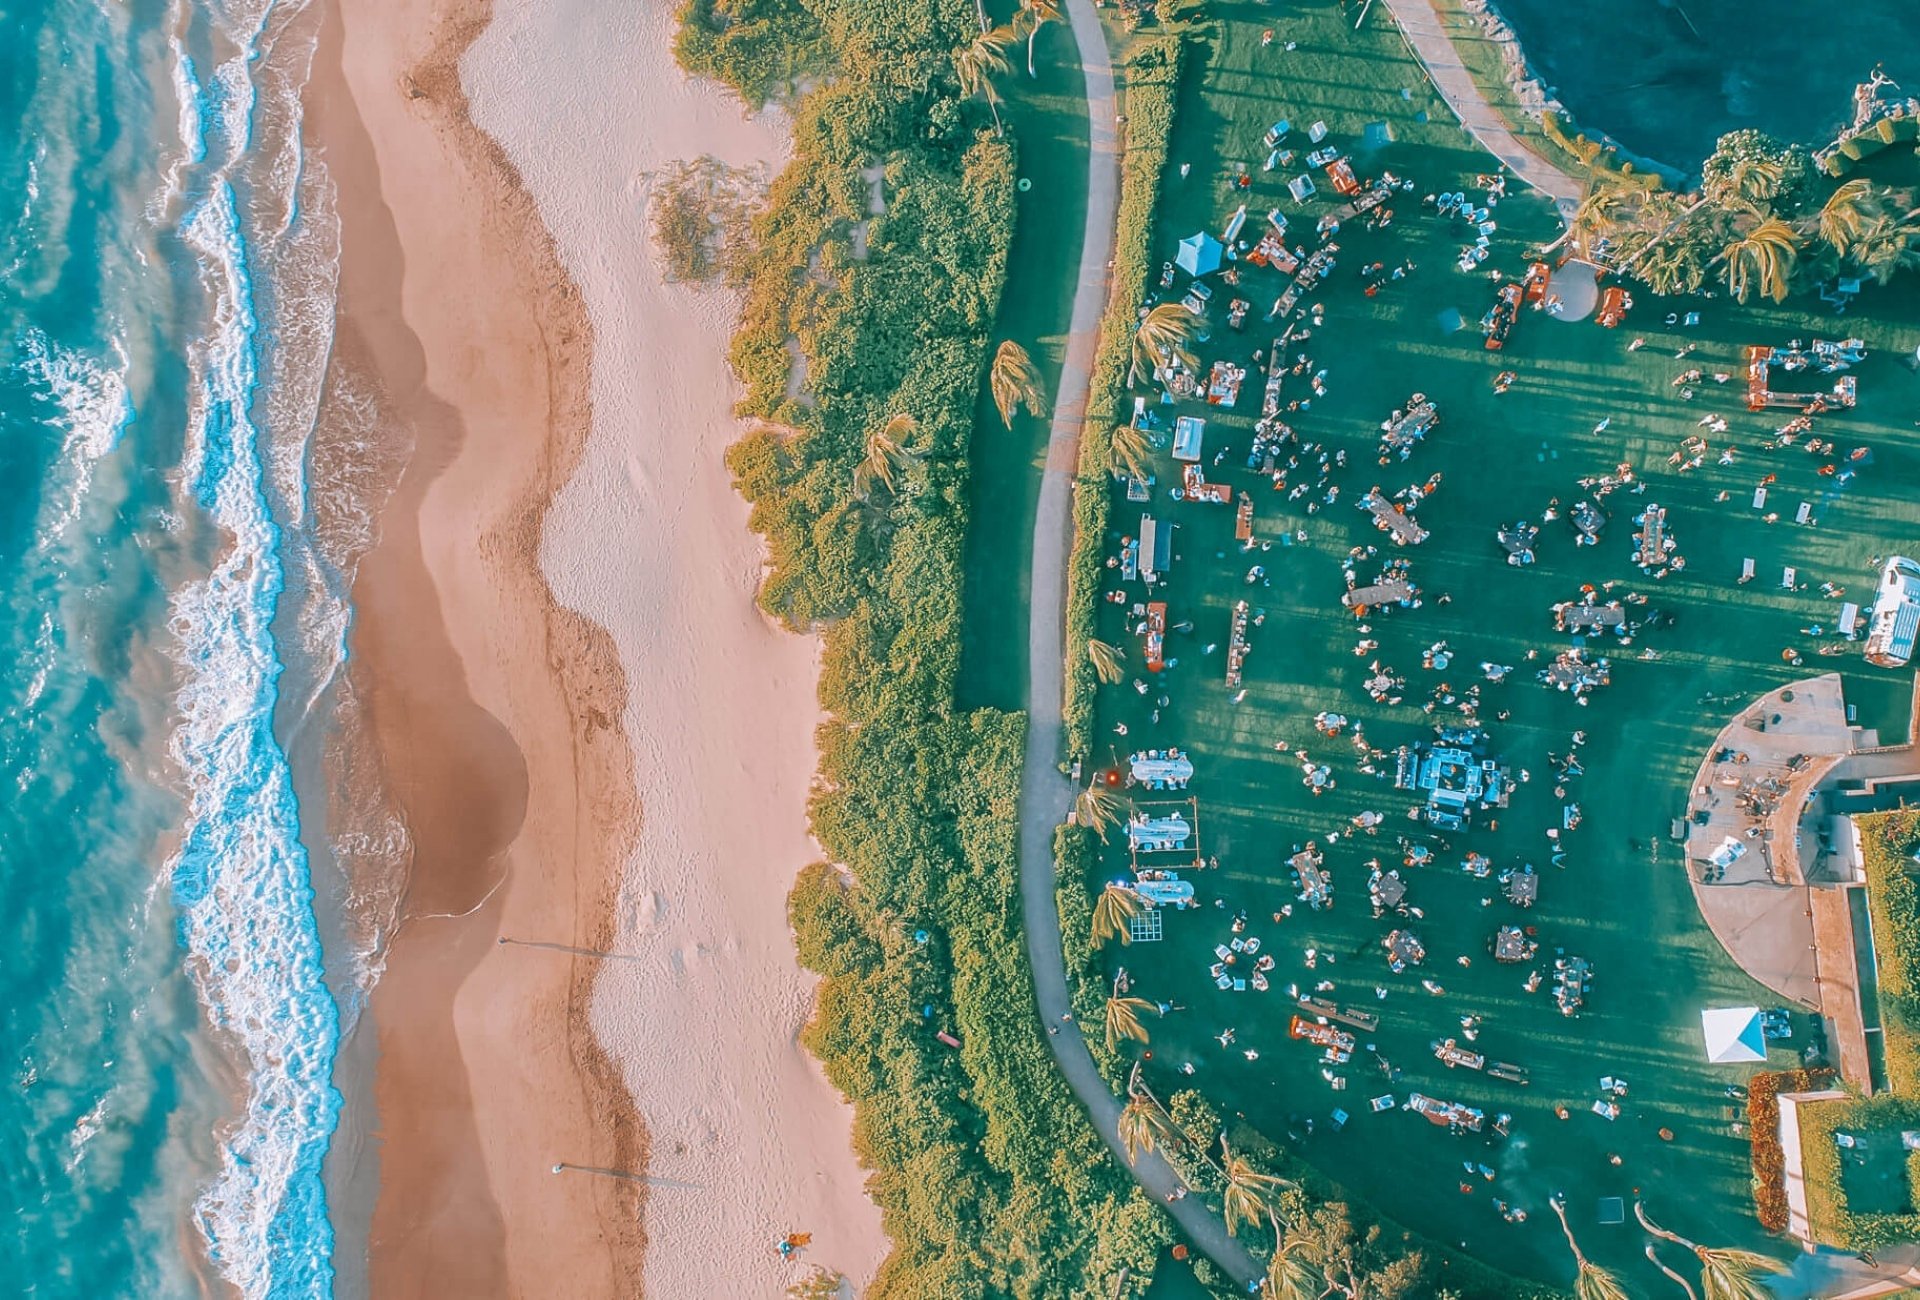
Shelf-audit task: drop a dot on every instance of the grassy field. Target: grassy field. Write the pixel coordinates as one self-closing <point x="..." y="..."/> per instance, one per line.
<point x="1622" y="898"/>
<point x="1048" y="117"/>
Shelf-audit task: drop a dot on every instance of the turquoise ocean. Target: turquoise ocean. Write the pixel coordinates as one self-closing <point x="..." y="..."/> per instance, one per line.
<point x="178" y="963"/>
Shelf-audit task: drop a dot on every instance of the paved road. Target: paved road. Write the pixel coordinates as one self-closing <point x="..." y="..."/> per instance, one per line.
<point x="1045" y="795"/>
<point x="1420" y="23"/>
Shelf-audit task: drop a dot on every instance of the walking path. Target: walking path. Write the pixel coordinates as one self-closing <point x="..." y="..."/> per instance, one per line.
<point x="1045" y="795"/>
<point x="1420" y="23"/>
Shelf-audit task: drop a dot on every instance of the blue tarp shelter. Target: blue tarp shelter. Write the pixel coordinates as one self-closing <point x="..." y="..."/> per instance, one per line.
<point x="1199" y="254"/>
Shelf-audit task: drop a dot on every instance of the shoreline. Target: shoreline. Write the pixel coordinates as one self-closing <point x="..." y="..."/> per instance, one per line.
<point x="650" y="540"/>
<point x="552" y="539"/>
<point x="485" y="701"/>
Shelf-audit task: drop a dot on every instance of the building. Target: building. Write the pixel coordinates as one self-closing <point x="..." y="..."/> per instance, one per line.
<point x="1894" y="625"/>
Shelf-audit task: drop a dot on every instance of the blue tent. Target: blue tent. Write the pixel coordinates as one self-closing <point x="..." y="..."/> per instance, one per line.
<point x="1199" y="254"/>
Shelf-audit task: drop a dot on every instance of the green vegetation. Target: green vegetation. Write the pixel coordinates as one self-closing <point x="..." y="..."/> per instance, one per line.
<point x="989" y="1177"/>
<point x="1152" y="83"/>
<point x="1765" y="223"/>
<point x="1763" y="1132"/>
<point x="702" y="215"/>
<point x="759" y="47"/>
<point x="1863" y="1198"/>
<point x="1583" y="404"/>
<point x="1887" y="845"/>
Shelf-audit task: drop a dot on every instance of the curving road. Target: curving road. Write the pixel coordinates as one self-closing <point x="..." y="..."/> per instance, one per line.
<point x="1046" y="795"/>
<point x="1420" y="23"/>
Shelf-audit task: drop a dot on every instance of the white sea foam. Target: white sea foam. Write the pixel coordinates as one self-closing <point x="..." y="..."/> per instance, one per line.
<point x="241" y="878"/>
<point x="92" y="413"/>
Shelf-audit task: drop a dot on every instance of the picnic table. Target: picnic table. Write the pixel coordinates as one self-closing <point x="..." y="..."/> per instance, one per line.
<point x="1161" y="769"/>
<point x="1653" y="542"/>
<point x="1237" y="645"/>
<point x="1393" y="519"/>
<point x="1584" y="616"/>
<point x="1522" y="886"/>
<point x="1404" y="949"/>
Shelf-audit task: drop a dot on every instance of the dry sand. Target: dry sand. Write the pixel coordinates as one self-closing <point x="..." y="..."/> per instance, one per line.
<point x="650" y="541"/>
<point x="623" y="769"/>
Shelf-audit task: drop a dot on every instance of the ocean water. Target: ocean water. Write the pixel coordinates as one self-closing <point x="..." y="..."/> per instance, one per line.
<point x="176" y="967"/>
<point x="1667" y="78"/>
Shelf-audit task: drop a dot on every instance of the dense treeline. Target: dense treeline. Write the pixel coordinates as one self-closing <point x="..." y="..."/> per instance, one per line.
<point x="990" y="1178"/>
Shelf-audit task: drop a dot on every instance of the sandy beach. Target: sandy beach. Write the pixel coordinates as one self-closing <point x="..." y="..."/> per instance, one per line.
<point x="597" y="742"/>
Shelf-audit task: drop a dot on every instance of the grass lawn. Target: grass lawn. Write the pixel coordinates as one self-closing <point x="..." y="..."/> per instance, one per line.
<point x="1622" y="898"/>
<point x="1048" y="117"/>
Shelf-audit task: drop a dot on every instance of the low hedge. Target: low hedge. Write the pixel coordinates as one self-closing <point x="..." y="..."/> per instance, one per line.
<point x="1832" y="1222"/>
<point x="1887" y="842"/>
<point x="1152" y="87"/>
<point x="1763" y="1132"/>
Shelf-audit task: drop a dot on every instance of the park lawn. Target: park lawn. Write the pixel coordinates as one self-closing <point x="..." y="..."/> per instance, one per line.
<point x="1047" y="117"/>
<point x="1623" y="899"/>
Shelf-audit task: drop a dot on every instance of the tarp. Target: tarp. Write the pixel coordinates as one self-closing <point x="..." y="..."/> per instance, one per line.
<point x="1199" y="254"/>
<point x="1733" y="1035"/>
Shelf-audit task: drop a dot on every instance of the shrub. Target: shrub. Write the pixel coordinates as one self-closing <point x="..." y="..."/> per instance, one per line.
<point x="1763" y="1133"/>
<point x="1152" y="80"/>
<point x="1887" y="842"/>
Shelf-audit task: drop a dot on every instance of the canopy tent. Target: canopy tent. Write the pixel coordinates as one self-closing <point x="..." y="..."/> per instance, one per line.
<point x="1733" y="1035"/>
<point x="1199" y="254"/>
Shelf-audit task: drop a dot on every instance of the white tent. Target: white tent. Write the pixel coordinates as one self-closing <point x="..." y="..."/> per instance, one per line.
<point x="1733" y="1035"/>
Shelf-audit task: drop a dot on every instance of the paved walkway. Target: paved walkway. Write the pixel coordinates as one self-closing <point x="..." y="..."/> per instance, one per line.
<point x="1421" y="24"/>
<point x="1046" y="796"/>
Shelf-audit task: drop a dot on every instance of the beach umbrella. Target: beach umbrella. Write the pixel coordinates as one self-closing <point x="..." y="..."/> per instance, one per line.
<point x="1199" y="254"/>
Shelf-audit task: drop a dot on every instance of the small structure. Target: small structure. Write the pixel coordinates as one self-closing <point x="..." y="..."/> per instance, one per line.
<point x="1199" y="254"/>
<point x="1340" y="176"/>
<point x="1404" y="949"/>
<point x="1572" y="976"/>
<point x="1498" y="323"/>
<point x="1301" y="187"/>
<point x="1521" y="885"/>
<point x="1403" y="429"/>
<point x="1588" y="522"/>
<point x="1734" y="1035"/>
<point x="1156" y="548"/>
<point x="1456" y="775"/>
<point x="1615" y="303"/>
<point x="1243" y="518"/>
<point x="1169" y="833"/>
<point x="1237" y="644"/>
<point x="1194" y="487"/>
<point x="1827" y="356"/>
<point x="1154" y="649"/>
<point x="1392" y="519"/>
<point x="1451" y="1115"/>
<point x="1386" y="890"/>
<point x="1516" y="539"/>
<point x="1510" y="944"/>
<point x="1894" y="624"/>
<point x="1188" y="432"/>
<point x="1337" y="1043"/>
<point x="1652" y="547"/>
<point x="1316" y="886"/>
<point x="1161" y="769"/>
<point x="1223" y="384"/>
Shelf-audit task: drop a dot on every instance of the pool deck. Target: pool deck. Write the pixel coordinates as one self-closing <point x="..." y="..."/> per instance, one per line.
<point x="1782" y="913"/>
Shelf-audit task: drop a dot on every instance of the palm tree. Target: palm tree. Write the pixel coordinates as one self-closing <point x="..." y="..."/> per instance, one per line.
<point x="1847" y="214"/>
<point x="1128" y="451"/>
<point x="1885" y="246"/>
<point x="1145" y="1127"/>
<point x="1116" y="906"/>
<point x="1248" y="1189"/>
<point x="1762" y="259"/>
<point x="1099" y="808"/>
<point x="1590" y="1282"/>
<point x="1015" y="382"/>
<point x="980" y="63"/>
<point x="1725" y="1273"/>
<point x="1037" y="14"/>
<point x="1106" y="660"/>
<point x="1653" y="1257"/>
<point x="1123" y="1019"/>
<point x="1163" y="337"/>
<point x="885" y="455"/>
<point x="1294" y="1272"/>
